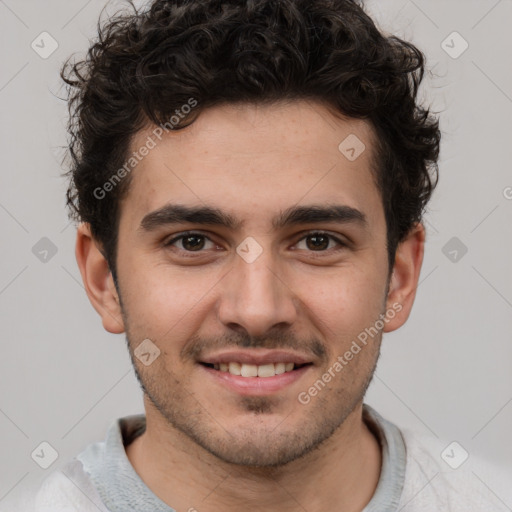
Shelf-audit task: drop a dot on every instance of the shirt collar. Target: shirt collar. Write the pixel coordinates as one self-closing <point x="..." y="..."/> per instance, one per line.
<point x="392" y="474"/>
<point x="121" y="488"/>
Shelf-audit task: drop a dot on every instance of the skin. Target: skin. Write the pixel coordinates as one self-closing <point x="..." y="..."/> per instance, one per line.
<point x="206" y="446"/>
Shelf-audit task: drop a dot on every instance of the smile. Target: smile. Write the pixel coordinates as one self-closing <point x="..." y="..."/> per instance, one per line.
<point x="253" y="370"/>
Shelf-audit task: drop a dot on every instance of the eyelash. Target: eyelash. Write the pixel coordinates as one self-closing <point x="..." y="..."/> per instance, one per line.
<point x="341" y="245"/>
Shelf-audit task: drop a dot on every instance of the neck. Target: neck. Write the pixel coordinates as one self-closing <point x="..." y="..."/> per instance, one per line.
<point x="342" y="474"/>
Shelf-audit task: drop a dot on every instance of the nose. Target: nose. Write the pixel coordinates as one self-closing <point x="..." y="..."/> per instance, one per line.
<point x="256" y="298"/>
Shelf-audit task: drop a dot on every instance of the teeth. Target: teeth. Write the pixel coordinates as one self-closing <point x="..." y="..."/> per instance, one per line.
<point x="280" y="368"/>
<point x="249" y="370"/>
<point x="253" y="370"/>
<point x="234" y="368"/>
<point x="266" y="370"/>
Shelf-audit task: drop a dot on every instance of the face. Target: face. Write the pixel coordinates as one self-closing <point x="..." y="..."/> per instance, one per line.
<point x="249" y="242"/>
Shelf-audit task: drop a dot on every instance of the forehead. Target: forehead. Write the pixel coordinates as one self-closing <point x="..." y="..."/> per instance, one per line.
<point x="256" y="158"/>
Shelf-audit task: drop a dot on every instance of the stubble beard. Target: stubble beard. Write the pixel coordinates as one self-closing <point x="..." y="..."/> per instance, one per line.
<point x="258" y="444"/>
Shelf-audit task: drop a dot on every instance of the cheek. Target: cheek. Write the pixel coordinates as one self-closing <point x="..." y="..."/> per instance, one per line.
<point x="161" y="301"/>
<point x="344" y="304"/>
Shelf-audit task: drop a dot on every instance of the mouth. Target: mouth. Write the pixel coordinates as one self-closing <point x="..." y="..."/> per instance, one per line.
<point x="254" y="370"/>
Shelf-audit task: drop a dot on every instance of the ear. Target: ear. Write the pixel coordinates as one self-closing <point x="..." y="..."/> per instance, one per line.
<point x="98" y="281"/>
<point x="404" y="277"/>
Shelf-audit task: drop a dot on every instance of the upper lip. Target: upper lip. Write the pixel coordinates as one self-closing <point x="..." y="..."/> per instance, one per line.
<point x="256" y="357"/>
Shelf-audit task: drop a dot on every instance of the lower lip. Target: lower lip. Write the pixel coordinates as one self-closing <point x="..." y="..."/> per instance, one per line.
<point x="256" y="386"/>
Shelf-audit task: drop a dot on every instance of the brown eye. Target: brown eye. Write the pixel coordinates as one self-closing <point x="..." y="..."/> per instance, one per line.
<point x="190" y="242"/>
<point x="317" y="242"/>
<point x="320" y="242"/>
<point x="193" y="242"/>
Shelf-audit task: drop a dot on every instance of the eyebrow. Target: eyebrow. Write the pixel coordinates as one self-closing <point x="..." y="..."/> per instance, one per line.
<point x="207" y="215"/>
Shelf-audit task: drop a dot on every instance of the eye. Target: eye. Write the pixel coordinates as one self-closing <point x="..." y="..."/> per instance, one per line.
<point x="194" y="242"/>
<point x="318" y="241"/>
<point x="191" y="242"/>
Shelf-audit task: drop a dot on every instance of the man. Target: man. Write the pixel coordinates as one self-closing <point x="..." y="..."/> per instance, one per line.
<point x="250" y="179"/>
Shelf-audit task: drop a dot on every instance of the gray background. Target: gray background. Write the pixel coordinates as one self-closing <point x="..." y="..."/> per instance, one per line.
<point x="447" y="372"/>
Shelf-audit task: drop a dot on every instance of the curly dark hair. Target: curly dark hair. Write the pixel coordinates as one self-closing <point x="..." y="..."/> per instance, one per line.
<point x="147" y="63"/>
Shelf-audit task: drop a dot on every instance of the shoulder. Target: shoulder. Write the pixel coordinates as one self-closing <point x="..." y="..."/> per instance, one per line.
<point x="72" y="488"/>
<point x="452" y="478"/>
<point x="68" y="490"/>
